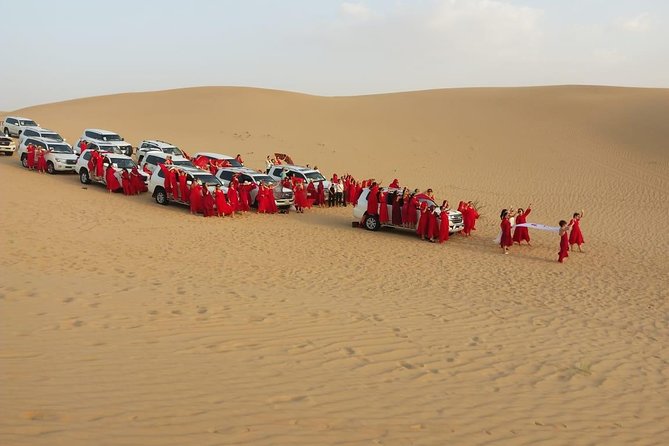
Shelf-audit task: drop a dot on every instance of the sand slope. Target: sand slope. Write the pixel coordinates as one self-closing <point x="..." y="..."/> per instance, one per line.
<point x="299" y="329"/>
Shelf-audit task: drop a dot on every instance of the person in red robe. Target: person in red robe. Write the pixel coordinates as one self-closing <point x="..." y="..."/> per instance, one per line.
<point x="195" y="197"/>
<point x="93" y="162"/>
<point x="271" y="201"/>
<point x="312" y="194"/>
<point x="383" y="207"/>
<point x="445" y="225"/>
<point x="576" y="236"/>
<point x="474" y="216"/>
<point x="99" y="165"/>
<point x="300" y="198"/>
<point x="433" y="223"/>
<point x="222" y="205"/>
<point x="172" y="172"/>
<point x="261" y="199"/>
<point x="183" y="187"/>
<point x="208" y="202"/>
<point x="137" y="181"/>
<point x="396" y="210"/>
<point x="167" y="177"/>
<point x="233" y="196"/>
<point x="412" y="213"/>
<point x="395" y="184"/>
<point x="373" y="200"/>
<point x="147" y="170"/>
<point x="110" y="179"/>
<point x="321" y="194"/>
<point x="41" y="160"/>
<point x="83" y="145"/>
<point x="421" y="227"/>
<point x="520" y="234"/>
<point x="168" y="160"/>
<point x="125" y="182"/>
<point x="245" y="196"/>
<point x="506" y="239"/>
<point x="564" y="241"/>
<point x="239" y="159"/>
<point x="30" y="157"/>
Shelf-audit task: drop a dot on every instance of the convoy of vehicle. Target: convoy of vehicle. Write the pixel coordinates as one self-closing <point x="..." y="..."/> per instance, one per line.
<point x="61" y="157"/>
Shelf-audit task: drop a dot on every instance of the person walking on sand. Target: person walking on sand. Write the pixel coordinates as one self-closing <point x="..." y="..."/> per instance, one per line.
<point x="576" y="236"/>
<point x="564" y="240"/>
<point x="506" y="239"/>
<point x="520" y="234"/>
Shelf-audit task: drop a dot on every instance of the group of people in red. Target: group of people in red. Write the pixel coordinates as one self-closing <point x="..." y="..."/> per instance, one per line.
<point x="131" y="182"/>
<point x="401" y="207"/>
<point x="570" y="233"/>
<point x="36" y="158"/>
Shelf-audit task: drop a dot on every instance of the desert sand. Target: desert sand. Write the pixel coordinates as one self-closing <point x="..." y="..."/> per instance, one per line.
<point x="127" y="323"/>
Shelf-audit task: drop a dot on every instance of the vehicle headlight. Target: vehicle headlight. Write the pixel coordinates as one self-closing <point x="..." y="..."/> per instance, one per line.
<point x="60" y="160"/>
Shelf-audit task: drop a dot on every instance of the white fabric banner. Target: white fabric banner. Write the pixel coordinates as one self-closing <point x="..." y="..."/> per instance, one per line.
<point x="539" y="227"/>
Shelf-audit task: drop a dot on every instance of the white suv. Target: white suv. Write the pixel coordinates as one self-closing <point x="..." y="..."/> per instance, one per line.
<point x="119" y="161"/>
<point x="7" y="145"/>
<point x="372" y="222"/>
<point x="14" y="125"/>
<point x="59" y="157"/>
<point x="283" y="196"/>
<point x="157" y="184"/>
<point x="104" y="139"/>
<point x="306" y="174"/>
<point x="156" y="145"/>
<point x="39" y="132"/>
<point x="152" y="159"/>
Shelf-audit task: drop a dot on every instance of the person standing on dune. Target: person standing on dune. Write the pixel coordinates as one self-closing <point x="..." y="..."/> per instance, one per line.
<point x="564" y="241"/>
<point x="576" y="236"/>
<point x="521" y="233"/>
<point x="506" y="239"/>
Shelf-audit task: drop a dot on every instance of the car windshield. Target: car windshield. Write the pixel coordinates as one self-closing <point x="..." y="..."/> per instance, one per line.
<point x="208" y="179"/>
<point x="28" y="123"/>
<point x="172" y="151"/>
<point x="123" y="163"/>
<point x="54" y="136"/>
<point x="234" y="163"/>
<point x="111" y="137"/>
<point x="314" y="176"/>
<point x="60" y="148"/>
<point x="264" y="178"/>
<point x="183" y="163"/>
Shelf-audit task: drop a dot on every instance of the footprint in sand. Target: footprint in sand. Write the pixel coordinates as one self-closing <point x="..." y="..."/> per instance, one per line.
<point x="202" y="310"/>
<point x="67" y="300"/>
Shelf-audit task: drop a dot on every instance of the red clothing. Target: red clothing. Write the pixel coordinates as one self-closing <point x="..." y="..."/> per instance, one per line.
<point x="373" y="201"/>
<point x="166" y="175"/>
<point x="93" y="162"/>
<point x="506" y="240"/>
<point x="321" y="193"/>
<point x="395" y="184"/>
<point x="469" y="216"/>
<point x="421" y="227"/>
<point x="383" y="208"/>
<point x="245" y="196"/>
<point x="137" y="181"/>
<point x="99" y="165"/>
<point x="173" y="182"/>
<point x="239" y="159"/>
<point x="311" y="193"/>
<point x="30" y="159"/>
<point x="41" y="161"/>
<point x="195" y="198"/>
<point x="564" y="247"/>
<point x="183" y="187"/>
<point x="208" y="201"/>
<point x="111" y="180"/>
<point x="396" y="212"/>
<point x="412" y="215"/>
<point x="576" y="236"/>
<point x="444" y="227"/>
<point x="432" y="225"/>
<point x="301" y="197"/>
<point x="222" y="205"/>
<point x="125" y="181"/>
<point x="233" y="197"/>
<point x="520" y="234"/>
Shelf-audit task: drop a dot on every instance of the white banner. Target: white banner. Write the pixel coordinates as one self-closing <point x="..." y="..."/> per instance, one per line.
<point x="539" y="227"/>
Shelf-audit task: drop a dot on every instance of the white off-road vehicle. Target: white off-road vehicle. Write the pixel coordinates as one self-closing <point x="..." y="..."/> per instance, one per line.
<point x="157" y="184"/>
<point x="59" y="157"/>
<point x="156" y="145"/>
<point x="306" y="174"/>
<point x="283" y="196"/>
<point x="7" y="145"/>
<point x="372" y="223"/>
<point x="39" y="132"/>
<point x="152" y="159"/>
<point x="118" y="161"/>
<point x="14" y="125"/>
<point x="104" y="140"/>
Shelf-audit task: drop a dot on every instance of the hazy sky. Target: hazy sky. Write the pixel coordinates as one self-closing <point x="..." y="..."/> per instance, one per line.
<point x="64" y="49"/>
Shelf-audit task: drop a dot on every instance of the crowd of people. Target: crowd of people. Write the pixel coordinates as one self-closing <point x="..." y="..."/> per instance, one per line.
<point x="36" y="158"/>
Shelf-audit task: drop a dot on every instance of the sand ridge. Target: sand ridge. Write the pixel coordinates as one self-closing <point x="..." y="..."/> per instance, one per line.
<point x="299" y="329"/>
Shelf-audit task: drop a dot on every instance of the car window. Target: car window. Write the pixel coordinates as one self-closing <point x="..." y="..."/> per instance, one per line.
<point x="277" y="171"/>
<point x="11" y="121"/>
<point x="29" y="133"/>
<point x="89" y="134"/>
<point x="29" y="123"/>
<point x="243" y="178"/>
<point x="161" y="174"/>
<point x="152" y="159"/>
<point x="226" y="175"/>
<point x="87" y="155"/>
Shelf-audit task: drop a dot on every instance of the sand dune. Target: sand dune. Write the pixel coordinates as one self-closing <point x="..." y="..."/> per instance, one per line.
<point x="124" y="322"/>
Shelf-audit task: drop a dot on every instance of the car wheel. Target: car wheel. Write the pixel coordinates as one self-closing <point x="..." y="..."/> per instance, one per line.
<point x="372" y="223"/>
<point x="161" y="197"/>
<point x="50" y="168"/>
<point x="83" y="177"/>
<point x="24" y="160"/>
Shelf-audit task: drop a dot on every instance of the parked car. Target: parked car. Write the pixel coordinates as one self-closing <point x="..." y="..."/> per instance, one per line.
<point x="152" y="159"/>
<point x="118" y="161"/>
<point x="306" y="174"/>
<point x="7" y="145"/>
<point x="14" y="125"/>
<point x="39" y="132"/>
<point x="283" y="196"/>
<point x="157" y="184"/>
<point x="104" y="139"/>
<point x="156" y="145"/>
<point x="217" y="157"/>
<point x="59" y="157"/>
<point x="372" y="223"/>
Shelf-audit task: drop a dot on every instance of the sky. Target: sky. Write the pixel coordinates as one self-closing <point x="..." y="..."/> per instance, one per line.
<point x="67" y="49"/>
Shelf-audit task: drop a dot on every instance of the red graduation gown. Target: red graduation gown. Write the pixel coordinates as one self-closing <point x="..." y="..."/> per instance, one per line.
<point x="208" y="201"/>
<point x="30" y="159"/>
<point x="432" y="225"/>
<point x="383" y="208"/>
<point x="222" y="206"/>
<point x="576" y="236"/>
<point x="99" y="166"/>
<point x="233" y="198"/>
<point x="111" y="180"/>
<point x="421" y="227"/>
<point x="41" y="161"/>
<point x="520" y="234"/>
<point x="373" y="201"/>
<point x="183" y="187"/>
<point x="125" y="181"/>
<point x="396" y="212"/>
<point x="444" y="227"/>
<point x="195" y="198"/>
<point x="506" y="240"/>
<point x="564" y="247"/>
